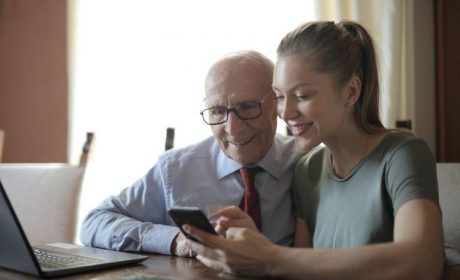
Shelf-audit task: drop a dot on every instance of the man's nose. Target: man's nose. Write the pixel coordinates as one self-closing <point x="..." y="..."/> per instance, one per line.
<point x="234" y="125"/>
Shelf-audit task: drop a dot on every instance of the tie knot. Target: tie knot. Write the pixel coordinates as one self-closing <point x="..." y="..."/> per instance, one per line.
<point x="249" y="171"/>
<point x="248" y="174"/>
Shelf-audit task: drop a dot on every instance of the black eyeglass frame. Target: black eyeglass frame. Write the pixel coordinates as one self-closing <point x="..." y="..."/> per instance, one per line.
<point x="235" y="111"/>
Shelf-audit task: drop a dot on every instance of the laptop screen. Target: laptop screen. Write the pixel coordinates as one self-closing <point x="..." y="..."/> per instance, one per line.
<point x="15" y="250"/>
<point x="17" y="254"/>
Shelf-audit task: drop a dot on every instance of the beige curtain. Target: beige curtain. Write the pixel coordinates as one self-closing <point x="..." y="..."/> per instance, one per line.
<point x="403" y="31"/>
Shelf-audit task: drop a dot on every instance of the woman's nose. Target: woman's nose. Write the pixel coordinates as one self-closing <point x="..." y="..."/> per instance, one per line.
<point x="287" y="109"/>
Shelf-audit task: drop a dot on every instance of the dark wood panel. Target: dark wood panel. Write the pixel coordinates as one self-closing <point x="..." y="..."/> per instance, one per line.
<point x="448" y="80"/>
<point x="33" y="80"/>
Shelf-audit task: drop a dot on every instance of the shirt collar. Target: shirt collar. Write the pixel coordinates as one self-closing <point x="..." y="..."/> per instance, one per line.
<point x="270" y="163"/>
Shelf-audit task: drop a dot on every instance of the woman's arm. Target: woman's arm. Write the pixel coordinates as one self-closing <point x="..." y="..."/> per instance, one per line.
<point x="416" y="252"/>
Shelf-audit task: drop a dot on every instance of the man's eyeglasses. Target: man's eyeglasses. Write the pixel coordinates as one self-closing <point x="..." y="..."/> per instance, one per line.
<point x="244" y="111"/>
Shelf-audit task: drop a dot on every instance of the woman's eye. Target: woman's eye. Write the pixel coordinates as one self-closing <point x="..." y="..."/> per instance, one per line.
<point x="302" y="97"/>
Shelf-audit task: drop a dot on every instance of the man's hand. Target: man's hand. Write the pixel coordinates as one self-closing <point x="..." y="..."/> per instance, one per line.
<point x="180" y="247"/>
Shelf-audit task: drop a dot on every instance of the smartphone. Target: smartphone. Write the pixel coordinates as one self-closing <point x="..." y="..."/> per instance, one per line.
<point x="192" y="216"/>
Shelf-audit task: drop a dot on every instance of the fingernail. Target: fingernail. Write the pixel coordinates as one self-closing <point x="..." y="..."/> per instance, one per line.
<point x="186" y="228"/>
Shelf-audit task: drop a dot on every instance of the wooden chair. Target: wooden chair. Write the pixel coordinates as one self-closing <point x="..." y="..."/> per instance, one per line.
<point x="84" y="157"/>
<point x="169" y="142"/>
<point x="45" y="197"/>
<point x="449" y="197"/>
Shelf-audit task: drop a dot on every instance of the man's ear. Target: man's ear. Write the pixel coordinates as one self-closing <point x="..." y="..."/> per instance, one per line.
<point x="352" y="91"/>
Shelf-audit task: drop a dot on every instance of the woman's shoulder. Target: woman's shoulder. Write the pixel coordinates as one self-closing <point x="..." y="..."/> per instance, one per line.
<point x="403" y="143"/>
<point x="400" y="136"/>
<point x="310" y="167"/>
<point x="315" y="156"/>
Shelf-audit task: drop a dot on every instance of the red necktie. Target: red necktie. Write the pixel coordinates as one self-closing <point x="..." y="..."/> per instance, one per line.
<point x="250" y="201"/>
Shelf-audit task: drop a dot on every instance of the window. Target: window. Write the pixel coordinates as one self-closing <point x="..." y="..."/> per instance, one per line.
<point x="133" y="61"/>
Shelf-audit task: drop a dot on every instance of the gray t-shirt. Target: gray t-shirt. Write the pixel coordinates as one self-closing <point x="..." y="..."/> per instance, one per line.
<point x="360" y="209"/>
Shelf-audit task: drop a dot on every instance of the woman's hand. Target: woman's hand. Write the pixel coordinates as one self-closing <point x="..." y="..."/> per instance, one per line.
<point x="232" y="216"/>
<point x="242" y="252"/>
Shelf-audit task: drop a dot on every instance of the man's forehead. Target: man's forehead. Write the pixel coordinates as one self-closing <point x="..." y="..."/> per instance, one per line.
<point x="224" y="89"/>
<point x="229" y="83"/>
<point x="221" y="98"/>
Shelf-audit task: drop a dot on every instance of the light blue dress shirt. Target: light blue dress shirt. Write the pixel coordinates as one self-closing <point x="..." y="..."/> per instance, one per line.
<point x="198" y="175"/>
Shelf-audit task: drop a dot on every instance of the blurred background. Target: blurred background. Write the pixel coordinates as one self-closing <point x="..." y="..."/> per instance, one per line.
<point x="127" y="70"/>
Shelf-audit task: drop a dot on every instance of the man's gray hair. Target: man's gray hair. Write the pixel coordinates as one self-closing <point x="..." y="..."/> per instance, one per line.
<point x="245" y="57"/>
<point x="250" y="56"/>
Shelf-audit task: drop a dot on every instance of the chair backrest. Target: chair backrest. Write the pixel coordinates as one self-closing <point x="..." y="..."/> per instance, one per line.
<point x="449" y="198"/>
<point x="169" y="142"/>
<point x="87" y="147"/>
<point x="2" y="141"/>
<point x="45" y="198"/>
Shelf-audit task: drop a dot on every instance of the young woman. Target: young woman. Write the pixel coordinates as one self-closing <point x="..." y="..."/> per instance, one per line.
<point x="366" y="201"/>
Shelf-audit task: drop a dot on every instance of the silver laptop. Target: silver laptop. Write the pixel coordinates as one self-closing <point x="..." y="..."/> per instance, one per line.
<point x="50" y="260"/>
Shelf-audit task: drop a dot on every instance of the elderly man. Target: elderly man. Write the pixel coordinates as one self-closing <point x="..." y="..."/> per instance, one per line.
<point x="241" y="111"/>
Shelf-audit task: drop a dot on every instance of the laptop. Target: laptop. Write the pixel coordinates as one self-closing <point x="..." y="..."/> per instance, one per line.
<point x="55" y="259"/>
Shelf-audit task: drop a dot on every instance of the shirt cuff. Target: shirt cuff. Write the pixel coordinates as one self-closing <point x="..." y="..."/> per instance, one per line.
<point x="159" y="239"/>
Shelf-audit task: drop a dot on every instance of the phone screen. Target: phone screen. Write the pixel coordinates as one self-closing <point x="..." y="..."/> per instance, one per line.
<point x="192" y="216"/>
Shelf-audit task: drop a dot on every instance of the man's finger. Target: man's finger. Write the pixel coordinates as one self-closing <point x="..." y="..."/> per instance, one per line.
<point x="205" y="251"/>
<point x="196" y="247"/>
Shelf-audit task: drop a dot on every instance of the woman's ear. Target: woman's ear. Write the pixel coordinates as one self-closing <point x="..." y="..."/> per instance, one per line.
<point x="353" y="91"/>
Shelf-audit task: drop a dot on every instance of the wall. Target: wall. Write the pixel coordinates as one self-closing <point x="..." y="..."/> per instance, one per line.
<point x="33" y="80"/>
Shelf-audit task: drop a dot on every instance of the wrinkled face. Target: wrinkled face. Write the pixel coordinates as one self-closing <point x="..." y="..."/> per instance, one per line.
<point x="308" y="101"/>
<point x="229" y="84"/>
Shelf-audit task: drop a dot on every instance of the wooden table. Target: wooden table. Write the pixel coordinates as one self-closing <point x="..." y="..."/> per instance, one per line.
<point x="157" y="267"/>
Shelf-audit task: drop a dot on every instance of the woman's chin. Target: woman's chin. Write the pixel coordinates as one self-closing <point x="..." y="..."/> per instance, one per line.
<point x="306" y="144"/>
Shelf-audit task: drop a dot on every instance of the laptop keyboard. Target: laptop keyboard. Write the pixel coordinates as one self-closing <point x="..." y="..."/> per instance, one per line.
<point x="51" y="259"/>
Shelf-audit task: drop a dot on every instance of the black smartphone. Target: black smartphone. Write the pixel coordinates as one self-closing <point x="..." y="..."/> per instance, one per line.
<point x="192" y="216"/>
